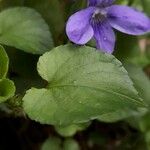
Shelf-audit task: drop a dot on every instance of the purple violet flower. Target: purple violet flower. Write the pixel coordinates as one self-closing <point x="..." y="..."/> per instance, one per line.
<point x="98" y="20"/>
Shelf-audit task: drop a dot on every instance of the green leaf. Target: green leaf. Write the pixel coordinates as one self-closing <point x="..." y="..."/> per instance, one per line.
<point x="83" y="84"/>
<point x="3" y="62"/>
<point x="142" y="85"/>
<point x="70" y="144"/>
<point x="52" y="143"/>
<point x="118" y="115"/>
<point x="53" y="12"/>
<point x="71" y="130"/>
<point x="24" y="29"/>
<point x="7" y="89"/>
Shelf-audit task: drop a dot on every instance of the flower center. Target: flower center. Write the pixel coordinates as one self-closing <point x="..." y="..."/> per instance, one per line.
<point x="99" y="15"/>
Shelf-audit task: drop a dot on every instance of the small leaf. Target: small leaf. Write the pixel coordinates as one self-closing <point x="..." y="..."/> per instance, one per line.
<point x="3" y="62"/>
<point x="83" y="84"/>
<point x="24" y="29"/>
<point x="70" y="144"/>
<point x="52" y="143"/>
<point x="7" y="89"/>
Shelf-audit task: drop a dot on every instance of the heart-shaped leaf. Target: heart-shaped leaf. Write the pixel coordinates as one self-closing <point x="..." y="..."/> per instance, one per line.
<point x="24" y="28"/>
<point x="83" y="84"/>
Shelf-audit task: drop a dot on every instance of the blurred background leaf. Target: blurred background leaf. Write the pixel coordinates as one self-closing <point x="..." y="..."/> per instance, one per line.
<point x="53" y="12"/>
<point x="24" y="29"/>
<point x="4" y="61"/>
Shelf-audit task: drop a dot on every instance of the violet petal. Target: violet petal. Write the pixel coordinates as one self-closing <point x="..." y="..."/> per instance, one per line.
<point x="78" y="27"/>
<point x="104" y="36"/>
<point x="128" y="20"/>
